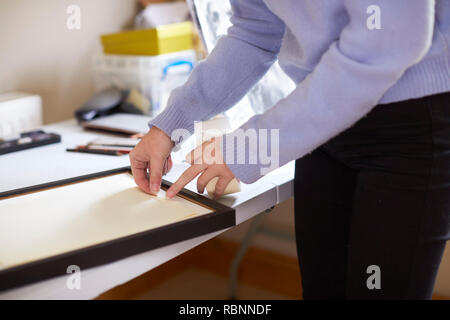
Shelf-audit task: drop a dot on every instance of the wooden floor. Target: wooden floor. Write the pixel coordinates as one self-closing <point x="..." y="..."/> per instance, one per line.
<point x="275" y="275"/>
<point x="201" y="284"/>
<point x="202" y="273"/>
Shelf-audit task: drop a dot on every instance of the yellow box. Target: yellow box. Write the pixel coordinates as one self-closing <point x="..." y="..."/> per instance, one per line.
<point x="164" y="39"/>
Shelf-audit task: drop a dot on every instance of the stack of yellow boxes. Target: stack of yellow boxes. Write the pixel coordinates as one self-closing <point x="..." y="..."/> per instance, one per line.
<point x="151" y="42"/>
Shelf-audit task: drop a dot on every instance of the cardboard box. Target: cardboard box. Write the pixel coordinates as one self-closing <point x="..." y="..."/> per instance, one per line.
<point x="164" y="39"/>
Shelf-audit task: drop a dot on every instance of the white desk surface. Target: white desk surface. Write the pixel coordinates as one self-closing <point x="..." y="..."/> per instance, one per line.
<point x="52" y="163"/>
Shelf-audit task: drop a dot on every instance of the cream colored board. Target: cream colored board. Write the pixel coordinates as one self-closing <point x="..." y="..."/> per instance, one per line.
<point x="232" y="187"/>
<point x="54" y="221"/>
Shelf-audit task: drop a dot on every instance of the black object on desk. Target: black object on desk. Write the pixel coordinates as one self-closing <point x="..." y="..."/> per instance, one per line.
<point x="29" y="140"/>
<point x="101" y="104"/>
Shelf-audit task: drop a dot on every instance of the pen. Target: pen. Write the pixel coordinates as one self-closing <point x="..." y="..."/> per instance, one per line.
<point x="102" y="152"/>
<point x="106" y="148"/>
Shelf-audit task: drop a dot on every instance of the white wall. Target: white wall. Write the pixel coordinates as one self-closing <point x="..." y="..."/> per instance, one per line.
<point x="38" y="53"/>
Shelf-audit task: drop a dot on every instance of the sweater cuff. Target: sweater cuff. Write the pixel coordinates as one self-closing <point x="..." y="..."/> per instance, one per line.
<point x="170" y="120"/>
<point x="236" y="155"/>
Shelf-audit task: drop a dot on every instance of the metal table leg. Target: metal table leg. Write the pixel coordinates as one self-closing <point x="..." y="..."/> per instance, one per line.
<point x="253" y="229"/>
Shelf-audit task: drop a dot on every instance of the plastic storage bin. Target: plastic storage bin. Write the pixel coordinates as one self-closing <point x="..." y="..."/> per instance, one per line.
<point x="153" y="76"/>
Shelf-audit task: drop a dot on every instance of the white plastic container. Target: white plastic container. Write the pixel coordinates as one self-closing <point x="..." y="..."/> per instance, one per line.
<point x="153" y="76"/>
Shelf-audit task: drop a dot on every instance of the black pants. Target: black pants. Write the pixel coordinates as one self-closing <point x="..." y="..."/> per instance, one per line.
<point x="377" y="195"/>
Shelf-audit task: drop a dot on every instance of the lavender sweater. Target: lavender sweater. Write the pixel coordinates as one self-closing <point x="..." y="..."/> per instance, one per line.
<point x="341" y="67"/>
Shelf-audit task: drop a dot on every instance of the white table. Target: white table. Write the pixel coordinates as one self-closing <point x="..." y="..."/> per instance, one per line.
<point x="52" y="163"/>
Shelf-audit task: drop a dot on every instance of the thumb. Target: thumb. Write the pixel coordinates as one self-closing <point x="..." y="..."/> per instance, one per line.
<point x="156" y="168"/>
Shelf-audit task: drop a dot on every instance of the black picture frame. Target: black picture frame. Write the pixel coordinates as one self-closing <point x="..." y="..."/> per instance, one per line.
<point x="222" y="217"/>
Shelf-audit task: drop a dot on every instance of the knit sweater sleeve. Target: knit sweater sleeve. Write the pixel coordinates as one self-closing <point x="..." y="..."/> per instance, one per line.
<point x="351" y="77"/>
<point x="237" y="62"/>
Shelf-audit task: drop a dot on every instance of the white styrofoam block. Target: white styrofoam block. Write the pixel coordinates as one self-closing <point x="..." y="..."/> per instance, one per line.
<point x="19" y="112"/>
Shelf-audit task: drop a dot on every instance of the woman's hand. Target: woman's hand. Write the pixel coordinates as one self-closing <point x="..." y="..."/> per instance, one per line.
<point x="153" y="153"/>
<point x="206" y="160"/>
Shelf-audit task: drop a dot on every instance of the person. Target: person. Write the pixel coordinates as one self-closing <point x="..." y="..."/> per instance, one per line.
<point x="368" y="121"/>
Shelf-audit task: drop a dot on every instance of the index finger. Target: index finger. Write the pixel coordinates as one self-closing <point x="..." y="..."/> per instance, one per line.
<point x="195" y="155"/>
<point x="184" y="179"/>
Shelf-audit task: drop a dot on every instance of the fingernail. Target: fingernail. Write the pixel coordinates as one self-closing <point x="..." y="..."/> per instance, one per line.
<point x="154" y="187"/>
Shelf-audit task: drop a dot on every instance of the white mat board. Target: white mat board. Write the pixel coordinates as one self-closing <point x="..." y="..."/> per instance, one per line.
<point x="54" y="221"/>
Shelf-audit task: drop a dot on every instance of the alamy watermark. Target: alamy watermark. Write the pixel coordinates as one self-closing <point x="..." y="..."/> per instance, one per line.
<point x="374" y="280"/>
<point x="73" y="281"/>
<point x="74" y="17"/>
<point x="374" y="19"/>
<point x="252" y="146"/>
